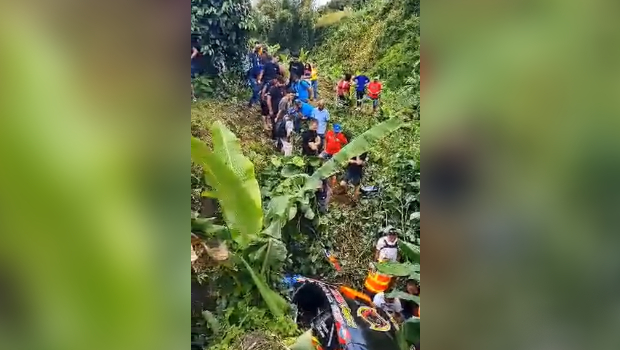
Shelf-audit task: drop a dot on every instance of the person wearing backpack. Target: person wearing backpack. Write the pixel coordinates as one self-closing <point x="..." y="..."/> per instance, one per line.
<point x="387" y="246"/>
<point x="284" y="134"/>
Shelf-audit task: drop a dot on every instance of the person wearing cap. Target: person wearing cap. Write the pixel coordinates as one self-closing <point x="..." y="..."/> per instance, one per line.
<point x="334" y="141"/>
<point x="387" y="246"/>
<point x="374" y="92"/>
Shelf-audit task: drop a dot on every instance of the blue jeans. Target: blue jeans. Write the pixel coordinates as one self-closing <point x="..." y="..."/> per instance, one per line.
<point x="315" y="88"/>
<point x="255" y="90"/>
<point x="375" y="103"/>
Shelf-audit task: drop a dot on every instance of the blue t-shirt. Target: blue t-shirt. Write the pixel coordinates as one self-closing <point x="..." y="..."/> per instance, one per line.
<point x="322" y="117"/>
<point x="301" y="87"/>
<point x="360" y="82"/>
<point x="255" y="71"/>
<point x="306" y="109"/>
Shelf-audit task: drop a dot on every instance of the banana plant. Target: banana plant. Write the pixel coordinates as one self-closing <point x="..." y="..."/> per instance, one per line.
<point x="231" y="175"/>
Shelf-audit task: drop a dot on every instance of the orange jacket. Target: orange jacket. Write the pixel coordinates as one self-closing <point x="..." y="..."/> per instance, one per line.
<point x="333" y="142"/>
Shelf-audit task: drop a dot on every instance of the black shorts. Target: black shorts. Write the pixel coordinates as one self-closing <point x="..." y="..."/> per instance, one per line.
<point x="264" y="108"/>
<point x="354" y="178"/>
<point x="360" y="95"/>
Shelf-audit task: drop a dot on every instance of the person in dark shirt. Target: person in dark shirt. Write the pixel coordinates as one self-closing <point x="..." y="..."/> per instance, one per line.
<point x="410" y="308"/>
<point x="355" y="171"/>
<point x="310" y="140"/>
<point x="296" y="67"/>
<point x="263" y="103"/>
<point x="274" y="96"/>
<point x="195" y="59"/>
<point x="270" y="70"/>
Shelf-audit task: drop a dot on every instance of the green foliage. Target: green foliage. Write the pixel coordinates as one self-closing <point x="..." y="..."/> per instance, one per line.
<point x="223" y="28"/>
<point x="234" y="185"/>
<point x="290" y="23"/>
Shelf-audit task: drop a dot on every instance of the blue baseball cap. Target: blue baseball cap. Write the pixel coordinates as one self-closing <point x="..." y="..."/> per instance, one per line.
<point x="337" y="128"/>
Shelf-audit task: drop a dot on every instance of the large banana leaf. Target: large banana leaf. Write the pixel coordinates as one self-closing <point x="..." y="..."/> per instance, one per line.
<point x="359" y="145"/>
<point x="410" y="251"/>
<point x="276" y="304"/>
<point x="411" y="330"/>
<point x="304" y="342"/>
<point x="227" y="147"/>
<point x="241" y="209"/>
<point x="398" y="269"/>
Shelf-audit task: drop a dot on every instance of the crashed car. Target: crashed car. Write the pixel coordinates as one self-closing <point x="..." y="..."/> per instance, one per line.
<point x="341" y="318"/>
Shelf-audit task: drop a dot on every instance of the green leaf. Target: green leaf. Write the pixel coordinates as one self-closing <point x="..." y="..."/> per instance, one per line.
<point x="403" y="296"/>
<point x="290" y="170"/>
<point x="276" y="161"/>
<point x="359" y="145"/>
<point x="410" y="251"/>
<point x="208" y="194"/>
<point x="398" y="269"/>
<point x="411" y="330"/>
<point x="276" y="304"/>
<point x="292" y="212"/>
<point x="274" y="229"/>
<point x="298" y="161"/>
<point x="278" y="207"/>
<point x="241" y="210"/>
<point x="211" y="321"/>
<point x="304" y="342"/>
<point x="414" y="216"/>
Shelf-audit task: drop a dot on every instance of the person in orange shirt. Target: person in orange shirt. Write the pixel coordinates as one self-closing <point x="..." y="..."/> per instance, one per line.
<point x="334" y="140"/>
<point x="374" y="92"/>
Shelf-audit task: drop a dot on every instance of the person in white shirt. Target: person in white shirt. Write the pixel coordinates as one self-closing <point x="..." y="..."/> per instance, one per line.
<point x="387" y="246"/>
<point x="287" y="142"/>
<point x="389" y="305"/>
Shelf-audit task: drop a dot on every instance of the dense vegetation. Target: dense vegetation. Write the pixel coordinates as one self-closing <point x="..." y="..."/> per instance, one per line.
<point x="244" y="246"/>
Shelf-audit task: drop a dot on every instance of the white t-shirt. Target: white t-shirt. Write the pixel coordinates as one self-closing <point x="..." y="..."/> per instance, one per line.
<point x="386" y="252"/>
<point x="287" y="147"/>
<point x="379" y="301"/>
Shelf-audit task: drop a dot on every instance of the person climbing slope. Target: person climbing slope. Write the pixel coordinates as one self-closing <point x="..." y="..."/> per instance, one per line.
<point x="321" y="115"/>
<point x="354" y="174"/>
<point x="314" y="81"/>
<point x="334" y="141"/>
<point x="387" y="246"/>
<point x="360" y="82"/>
<point x="374" y="92"/>
<point x="301" y="87"/>
<point x="296" y="67"/>
<point x="343" y="90"/>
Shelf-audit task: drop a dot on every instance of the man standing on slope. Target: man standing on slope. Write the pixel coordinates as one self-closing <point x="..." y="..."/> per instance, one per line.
<point x="322" y="117"/>
<point x="374" y="92"/>
<point x="360" y="82"/>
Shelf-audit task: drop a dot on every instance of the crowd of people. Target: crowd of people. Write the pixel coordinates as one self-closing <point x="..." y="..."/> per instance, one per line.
<point x="291" y="105"/>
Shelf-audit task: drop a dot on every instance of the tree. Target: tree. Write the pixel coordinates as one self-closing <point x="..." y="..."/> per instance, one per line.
<point x="222" y="27"/>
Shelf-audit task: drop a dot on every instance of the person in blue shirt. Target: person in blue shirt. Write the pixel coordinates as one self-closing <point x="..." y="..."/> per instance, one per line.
<point x="253" y="75"/>
<point x="302" y="111"/>
<point x="360" y="82"/>
<point x="322" y="117"/>
<point x="302" y="88"/>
